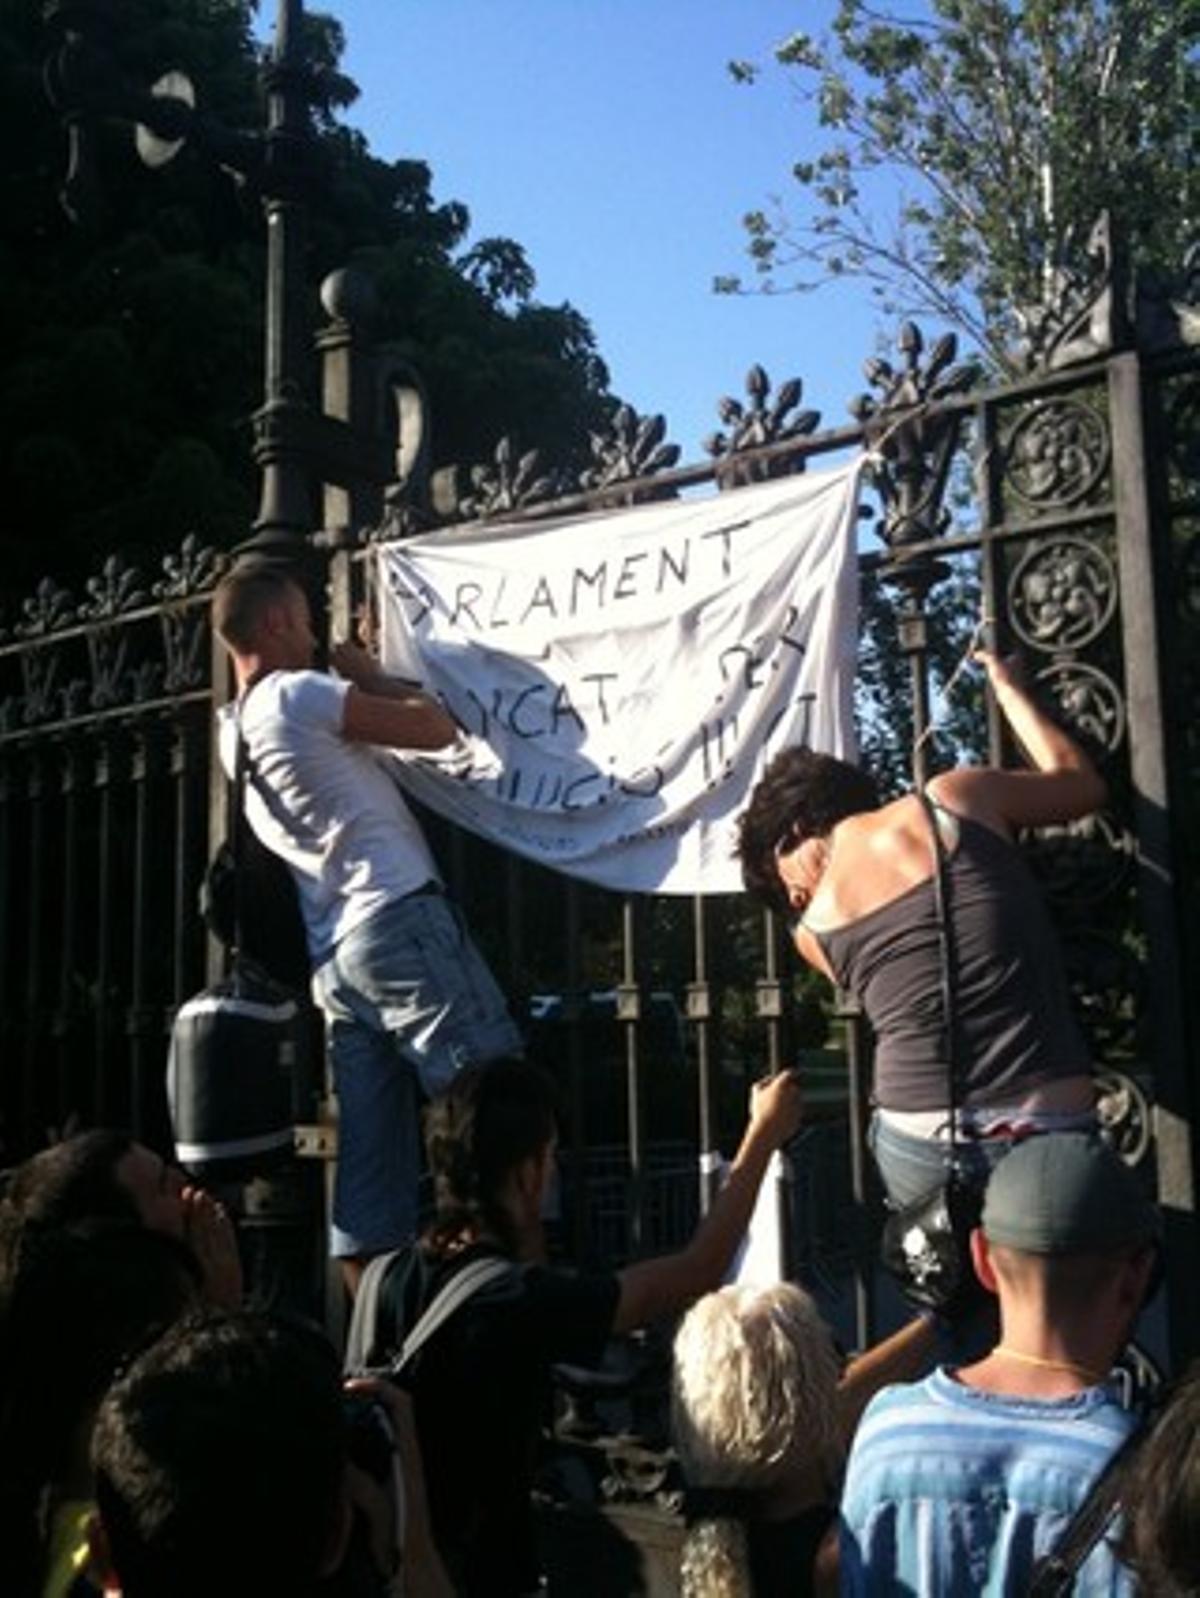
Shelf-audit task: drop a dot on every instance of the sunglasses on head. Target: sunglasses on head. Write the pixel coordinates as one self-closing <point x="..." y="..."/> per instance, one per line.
<point x="790" y="839"/>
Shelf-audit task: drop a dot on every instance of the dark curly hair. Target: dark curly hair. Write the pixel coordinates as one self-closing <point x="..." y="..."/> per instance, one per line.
<point x="490" y="1119"/>
<point x="802" y="794"/>
<point x="1160" y="1491"/>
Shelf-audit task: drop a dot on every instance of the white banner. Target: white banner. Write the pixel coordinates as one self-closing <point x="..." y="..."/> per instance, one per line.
<point x="624" y="677"/>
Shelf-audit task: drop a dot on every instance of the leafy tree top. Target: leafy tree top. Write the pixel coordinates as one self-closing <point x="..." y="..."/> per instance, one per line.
<point x="973" y="143"/>
<point x="133" y="350"/>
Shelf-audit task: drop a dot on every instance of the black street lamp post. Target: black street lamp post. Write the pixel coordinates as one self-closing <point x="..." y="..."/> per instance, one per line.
<point x="295" y="444"/>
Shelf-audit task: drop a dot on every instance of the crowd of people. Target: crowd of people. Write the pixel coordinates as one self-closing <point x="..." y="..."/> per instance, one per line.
<point x="161" y="1438"/>
<point x="157" y="1438"/>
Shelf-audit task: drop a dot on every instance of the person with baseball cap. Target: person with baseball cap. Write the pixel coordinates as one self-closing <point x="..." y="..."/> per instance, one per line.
<point x="958" y="1483"/>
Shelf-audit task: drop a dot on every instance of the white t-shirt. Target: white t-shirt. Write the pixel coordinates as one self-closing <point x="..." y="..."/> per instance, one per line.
<point x="324" y="804"/>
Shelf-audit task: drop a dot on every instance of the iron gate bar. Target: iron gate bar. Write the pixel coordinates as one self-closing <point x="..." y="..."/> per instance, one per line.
<point x="885" y="562"/>
<point x="629" y="1012"/>
<point x="140" y="773"/>
<point x="118" y="716"/>
<point x="699" y="1013"/>
<point x="69" y="920"/>
<point x="1141" y="618"/>
<point x="35" y="790"/>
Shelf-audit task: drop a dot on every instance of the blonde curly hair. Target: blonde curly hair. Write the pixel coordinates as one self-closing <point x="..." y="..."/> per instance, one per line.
<point x="754" y="1395"/>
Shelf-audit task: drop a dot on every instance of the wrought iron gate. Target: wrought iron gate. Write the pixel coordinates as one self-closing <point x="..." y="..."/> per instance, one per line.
<point x="1082" y="541"/>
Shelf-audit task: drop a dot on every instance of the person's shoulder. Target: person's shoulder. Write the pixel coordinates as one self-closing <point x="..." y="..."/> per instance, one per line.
<point x="897" y="1397"/>
<point x="303" y="696"/>
<point x="901" y="1407"/>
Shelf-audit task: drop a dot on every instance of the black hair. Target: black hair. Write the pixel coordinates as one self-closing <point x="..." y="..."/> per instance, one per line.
<point x="75" y="1180"/>
<point x="802" y="794"/>
<point x="89" y="1298"/>
<point x="219" y="1459"/>
<point x="490" y="1119"/>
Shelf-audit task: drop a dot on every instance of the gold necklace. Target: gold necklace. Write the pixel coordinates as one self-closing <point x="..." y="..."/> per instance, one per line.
<point x="1089" y="1373"/>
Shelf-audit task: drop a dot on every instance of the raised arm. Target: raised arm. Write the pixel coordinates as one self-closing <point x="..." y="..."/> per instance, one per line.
<point x="668" y="1284"/>
<point x="898" y="1358"/>
<point x="386" y="710"/>
<point x="1063" y="785"/>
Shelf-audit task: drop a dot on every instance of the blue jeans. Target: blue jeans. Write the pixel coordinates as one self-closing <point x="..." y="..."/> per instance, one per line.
<point x="910" y="1166"/>
<point x="913" y="1166"/>
<point x="408" y="1001"/>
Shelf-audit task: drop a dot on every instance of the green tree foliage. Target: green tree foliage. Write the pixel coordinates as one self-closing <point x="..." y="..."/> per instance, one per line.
<point x="972" y="145"/>
<point x="132" y="350"/>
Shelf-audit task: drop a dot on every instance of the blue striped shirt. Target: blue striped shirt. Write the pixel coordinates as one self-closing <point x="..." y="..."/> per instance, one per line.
<point x="956" y="1492"/>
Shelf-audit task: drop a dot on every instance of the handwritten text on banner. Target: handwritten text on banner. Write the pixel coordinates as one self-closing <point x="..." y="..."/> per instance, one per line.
<point x="623" y="677"/>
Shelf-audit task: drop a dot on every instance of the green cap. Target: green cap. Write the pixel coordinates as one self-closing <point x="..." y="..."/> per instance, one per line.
<point x="1066" y="1193"/>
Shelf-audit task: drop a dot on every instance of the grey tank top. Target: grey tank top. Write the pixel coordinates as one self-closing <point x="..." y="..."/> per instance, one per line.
<point x="1015" y="1027"/>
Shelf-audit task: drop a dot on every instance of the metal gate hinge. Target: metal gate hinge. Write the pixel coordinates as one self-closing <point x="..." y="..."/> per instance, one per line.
<point x="316" y="1142"/>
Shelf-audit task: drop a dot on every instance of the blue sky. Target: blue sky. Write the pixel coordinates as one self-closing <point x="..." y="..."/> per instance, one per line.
<point x="608" y="139"/>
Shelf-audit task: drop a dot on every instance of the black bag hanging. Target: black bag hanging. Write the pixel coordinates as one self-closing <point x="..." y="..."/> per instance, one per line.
<point x="925" y="1244"/>
<point x="248" y="898"/>
<point x="239" y="1052"/>
<point x="241" y="1056"/>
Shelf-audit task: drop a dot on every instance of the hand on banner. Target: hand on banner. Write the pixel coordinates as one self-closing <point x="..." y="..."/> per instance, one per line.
<point x="777" y="1106"/>
<point x="352" y="662"/>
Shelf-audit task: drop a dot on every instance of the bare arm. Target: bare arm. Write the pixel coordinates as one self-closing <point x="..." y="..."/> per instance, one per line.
<point x="386" y="710"/>
<point x="1063" y="786"/>
<point x="897" y="1358"/>
<point x="668" y="1284"/>
<point x="361" y="668"/>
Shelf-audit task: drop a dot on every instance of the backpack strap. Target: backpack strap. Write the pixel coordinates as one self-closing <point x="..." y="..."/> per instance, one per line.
<point x="364" y="1320"/>
<point x="365" y="1315"/>
<point x="463" y="1286"/>
<point x="1053" y="1575"/>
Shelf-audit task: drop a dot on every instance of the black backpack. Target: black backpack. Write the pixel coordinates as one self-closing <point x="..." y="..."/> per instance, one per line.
<point x="271" y="932"/>
<point x="248" y="898"/>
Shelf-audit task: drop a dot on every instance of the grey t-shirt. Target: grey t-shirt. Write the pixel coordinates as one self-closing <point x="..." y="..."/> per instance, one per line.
<point x="1014" y="1022"/>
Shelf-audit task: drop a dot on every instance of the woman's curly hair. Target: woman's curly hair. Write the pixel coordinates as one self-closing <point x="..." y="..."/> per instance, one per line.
<point x="754" y="1393"/>
<point x="1160" y="1492"/>
<point x="802" y="794"/>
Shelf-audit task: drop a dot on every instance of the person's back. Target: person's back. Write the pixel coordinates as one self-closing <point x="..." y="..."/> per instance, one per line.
<point x="481" y="1391"/>
<point x="481" y="1385"/>
<point x="952" y="1490"/>
<point x="958" y="1484"/>
<point x="324" y="804"/>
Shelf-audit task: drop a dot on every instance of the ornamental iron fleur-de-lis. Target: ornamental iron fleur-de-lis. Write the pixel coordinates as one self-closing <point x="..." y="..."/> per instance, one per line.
<point x="506" y="484"/>
<point x="765" y="421"/>
<point x="48" y="609"/>
<point x="912" y="443"/>
<point x="185" y="632"/>
<point x="631" y="447"/>
<point x="190" y="570"/>
<point x="112" y="595"/>
<point x="40" y="670"/>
